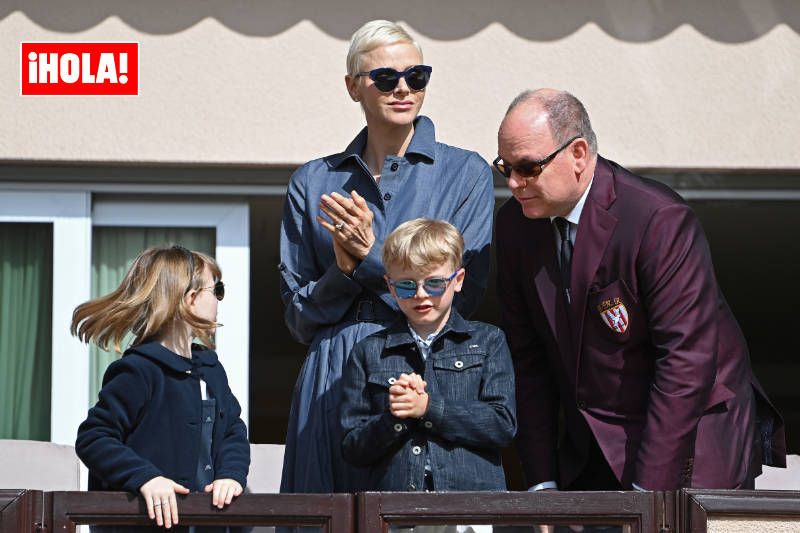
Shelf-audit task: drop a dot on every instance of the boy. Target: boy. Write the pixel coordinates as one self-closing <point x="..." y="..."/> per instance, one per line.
<point x="429" y="401"/>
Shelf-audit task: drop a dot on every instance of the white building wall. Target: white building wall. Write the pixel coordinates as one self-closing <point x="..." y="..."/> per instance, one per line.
<point x="683" y="84"/>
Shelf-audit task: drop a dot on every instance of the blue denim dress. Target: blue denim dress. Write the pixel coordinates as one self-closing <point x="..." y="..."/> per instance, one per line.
<point x="331" y="311"/>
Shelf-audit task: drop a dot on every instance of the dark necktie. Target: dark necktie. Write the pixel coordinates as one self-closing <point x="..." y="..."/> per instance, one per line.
<point x="566" y="253"/>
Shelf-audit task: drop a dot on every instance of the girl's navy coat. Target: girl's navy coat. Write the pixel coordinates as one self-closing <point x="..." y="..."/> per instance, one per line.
<point x="146" y="422"/>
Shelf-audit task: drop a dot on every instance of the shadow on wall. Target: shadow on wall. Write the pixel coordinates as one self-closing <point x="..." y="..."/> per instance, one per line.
<point x="535" y="20"/>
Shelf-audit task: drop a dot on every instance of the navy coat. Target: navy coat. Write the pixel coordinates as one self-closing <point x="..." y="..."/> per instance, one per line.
<point x="146" y="422"/>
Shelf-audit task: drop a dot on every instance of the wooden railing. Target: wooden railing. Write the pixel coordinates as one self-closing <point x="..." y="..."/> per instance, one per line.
<point x="23" y="511"/>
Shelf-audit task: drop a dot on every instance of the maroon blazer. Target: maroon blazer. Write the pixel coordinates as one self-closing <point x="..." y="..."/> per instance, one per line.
<point x="648" y="356"/>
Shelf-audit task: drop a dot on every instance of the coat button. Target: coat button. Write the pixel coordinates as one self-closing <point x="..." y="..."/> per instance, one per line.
<point x="581" y="404"/>
<point x="398" y="427"/>
<point x="459" y="364"/>
<point x="392" y="381"/>
<point x="394" y="167"/>
<point x="428" y="424"/>
<point x="387" y="196"/>
<point x="416" y="450"/>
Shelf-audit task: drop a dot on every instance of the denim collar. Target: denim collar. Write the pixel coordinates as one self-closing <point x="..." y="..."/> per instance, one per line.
<point x="398" y="334"/>
<point x="422" y="143"/>
<point x="201" y="356"/>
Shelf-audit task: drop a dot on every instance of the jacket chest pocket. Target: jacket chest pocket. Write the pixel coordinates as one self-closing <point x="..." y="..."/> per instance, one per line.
<point x="614" y="314"/>
<point x="459" y="375"/>
<point x="378" y="384"/>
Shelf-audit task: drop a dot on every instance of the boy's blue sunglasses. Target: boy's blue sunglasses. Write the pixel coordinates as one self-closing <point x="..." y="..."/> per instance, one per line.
<point x="386" y="79"/>
<point x="407" y="288"/>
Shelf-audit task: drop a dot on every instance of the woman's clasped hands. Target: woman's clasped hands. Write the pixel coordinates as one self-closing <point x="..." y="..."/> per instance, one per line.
<point x="350" y="224"/>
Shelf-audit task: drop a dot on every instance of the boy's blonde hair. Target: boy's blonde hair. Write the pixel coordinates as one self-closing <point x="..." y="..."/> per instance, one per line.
<point x="422" y="244"/>
<point x="149" y="299"/>
<point x="374" y="34"/>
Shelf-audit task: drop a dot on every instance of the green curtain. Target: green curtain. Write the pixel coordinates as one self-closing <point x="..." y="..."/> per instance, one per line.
<point x="26" y="314"/>
<point x="113" y="252"/>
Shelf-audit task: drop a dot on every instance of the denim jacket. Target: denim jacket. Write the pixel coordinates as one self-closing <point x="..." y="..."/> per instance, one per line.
<point x="471" y="410"/>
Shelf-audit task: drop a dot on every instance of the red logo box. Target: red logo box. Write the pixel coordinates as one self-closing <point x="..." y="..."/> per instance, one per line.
<point x="79" y="68"/>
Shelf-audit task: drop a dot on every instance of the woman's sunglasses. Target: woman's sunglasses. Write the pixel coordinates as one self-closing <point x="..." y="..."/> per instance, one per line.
<point x="386" y="79"/>
<point x="218" y="288"/>
<point x="407" y="288"/>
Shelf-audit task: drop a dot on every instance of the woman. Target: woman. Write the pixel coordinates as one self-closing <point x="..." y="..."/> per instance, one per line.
<point x="338" y="211"/>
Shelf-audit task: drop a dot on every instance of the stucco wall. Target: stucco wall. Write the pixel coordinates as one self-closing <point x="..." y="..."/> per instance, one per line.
<point x="677" y="84"/>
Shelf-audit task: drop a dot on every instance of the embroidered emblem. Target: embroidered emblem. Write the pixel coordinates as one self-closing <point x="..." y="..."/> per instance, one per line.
<point x="614" y="314"/>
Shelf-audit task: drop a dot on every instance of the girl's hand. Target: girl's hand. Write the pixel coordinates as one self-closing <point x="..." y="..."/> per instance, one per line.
<point x="162" y="505"/>
<point x="350" y="222"/>
<point x="223" y="491"/>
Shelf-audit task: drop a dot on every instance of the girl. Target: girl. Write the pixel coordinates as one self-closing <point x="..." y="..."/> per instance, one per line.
<point x="166" y="421"/>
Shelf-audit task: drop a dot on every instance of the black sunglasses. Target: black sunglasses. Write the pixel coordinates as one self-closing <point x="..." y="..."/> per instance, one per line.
<point x="386" y="79"/>
<point x="529" y="169"/>
<point x="218" y="288"/>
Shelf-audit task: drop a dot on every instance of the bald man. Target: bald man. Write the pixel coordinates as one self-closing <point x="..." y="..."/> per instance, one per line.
<point x="616" y="322"/>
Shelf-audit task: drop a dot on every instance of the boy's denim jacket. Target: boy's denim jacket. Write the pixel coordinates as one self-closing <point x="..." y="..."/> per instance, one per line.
<point x="471" y="409"/>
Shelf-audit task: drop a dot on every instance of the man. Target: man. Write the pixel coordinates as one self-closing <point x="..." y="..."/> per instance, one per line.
<point x="615" y="320"/>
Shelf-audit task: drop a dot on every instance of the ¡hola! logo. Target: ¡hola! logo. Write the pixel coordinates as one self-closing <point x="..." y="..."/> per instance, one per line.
<point x="79" y="68"/>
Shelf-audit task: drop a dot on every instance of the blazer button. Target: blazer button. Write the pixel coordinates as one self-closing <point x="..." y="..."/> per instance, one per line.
<point x="459" y="364"/>
<point x="581" y="404"/>
<point x="428" y="424"/>
<point x="394" y="167"/>
<point x="398" y="427"/>
<point x="416" y="450"/>
<point x="392" y="381"/>
<point x="387" y="196"/>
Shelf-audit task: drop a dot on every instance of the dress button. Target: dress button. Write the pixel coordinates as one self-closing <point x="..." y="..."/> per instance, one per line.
<point x="428" y="424"/>
<point x="398" y="427"/>
<point x="459" y="364"/>
<point x="392" y="381"/>
<point x="393" y="167"/>
<point x="581" y="404"/>
<point x="416" y="450"/>
<point x="387" y="196"/>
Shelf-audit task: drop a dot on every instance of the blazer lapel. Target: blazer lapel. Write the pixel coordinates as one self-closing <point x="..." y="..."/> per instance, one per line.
<point x="595" y="229"/>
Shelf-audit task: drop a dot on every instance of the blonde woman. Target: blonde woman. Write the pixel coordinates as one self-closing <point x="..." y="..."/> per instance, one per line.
<point x="166" y="421"/>
<point x="338" y="211"/>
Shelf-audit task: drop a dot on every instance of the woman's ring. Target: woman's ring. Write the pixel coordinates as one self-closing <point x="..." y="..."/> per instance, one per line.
<point x="157" y="504"/>
<point x="339" y="226"/>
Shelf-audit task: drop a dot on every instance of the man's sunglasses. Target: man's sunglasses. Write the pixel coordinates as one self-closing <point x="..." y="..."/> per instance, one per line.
<point x="529" y="169"/>
<point x="407" y="288"/>
<point x="218" y="288"/>
<point x="386" y="79"/>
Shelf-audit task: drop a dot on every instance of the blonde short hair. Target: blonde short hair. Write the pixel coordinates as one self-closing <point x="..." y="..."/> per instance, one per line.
<point x="372" y="35"/>
<point x="422" y="244"/>
<point x="149" y="299"/>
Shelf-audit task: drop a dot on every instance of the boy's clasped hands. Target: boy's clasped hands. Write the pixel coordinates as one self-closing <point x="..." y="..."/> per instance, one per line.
<point x="407" y="396"/>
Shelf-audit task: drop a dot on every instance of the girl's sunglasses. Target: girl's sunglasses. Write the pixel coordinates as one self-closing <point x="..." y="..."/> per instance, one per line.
<point x="386" y="79"/>
<point x="218" y="288"/>
<point x="407" y="288"/>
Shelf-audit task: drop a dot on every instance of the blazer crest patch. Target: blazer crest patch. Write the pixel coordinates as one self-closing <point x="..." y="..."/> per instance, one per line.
<point x="614" y="314"/>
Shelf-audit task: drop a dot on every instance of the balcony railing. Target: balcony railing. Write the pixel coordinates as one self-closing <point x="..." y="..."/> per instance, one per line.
<point x="23" y="511"/>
